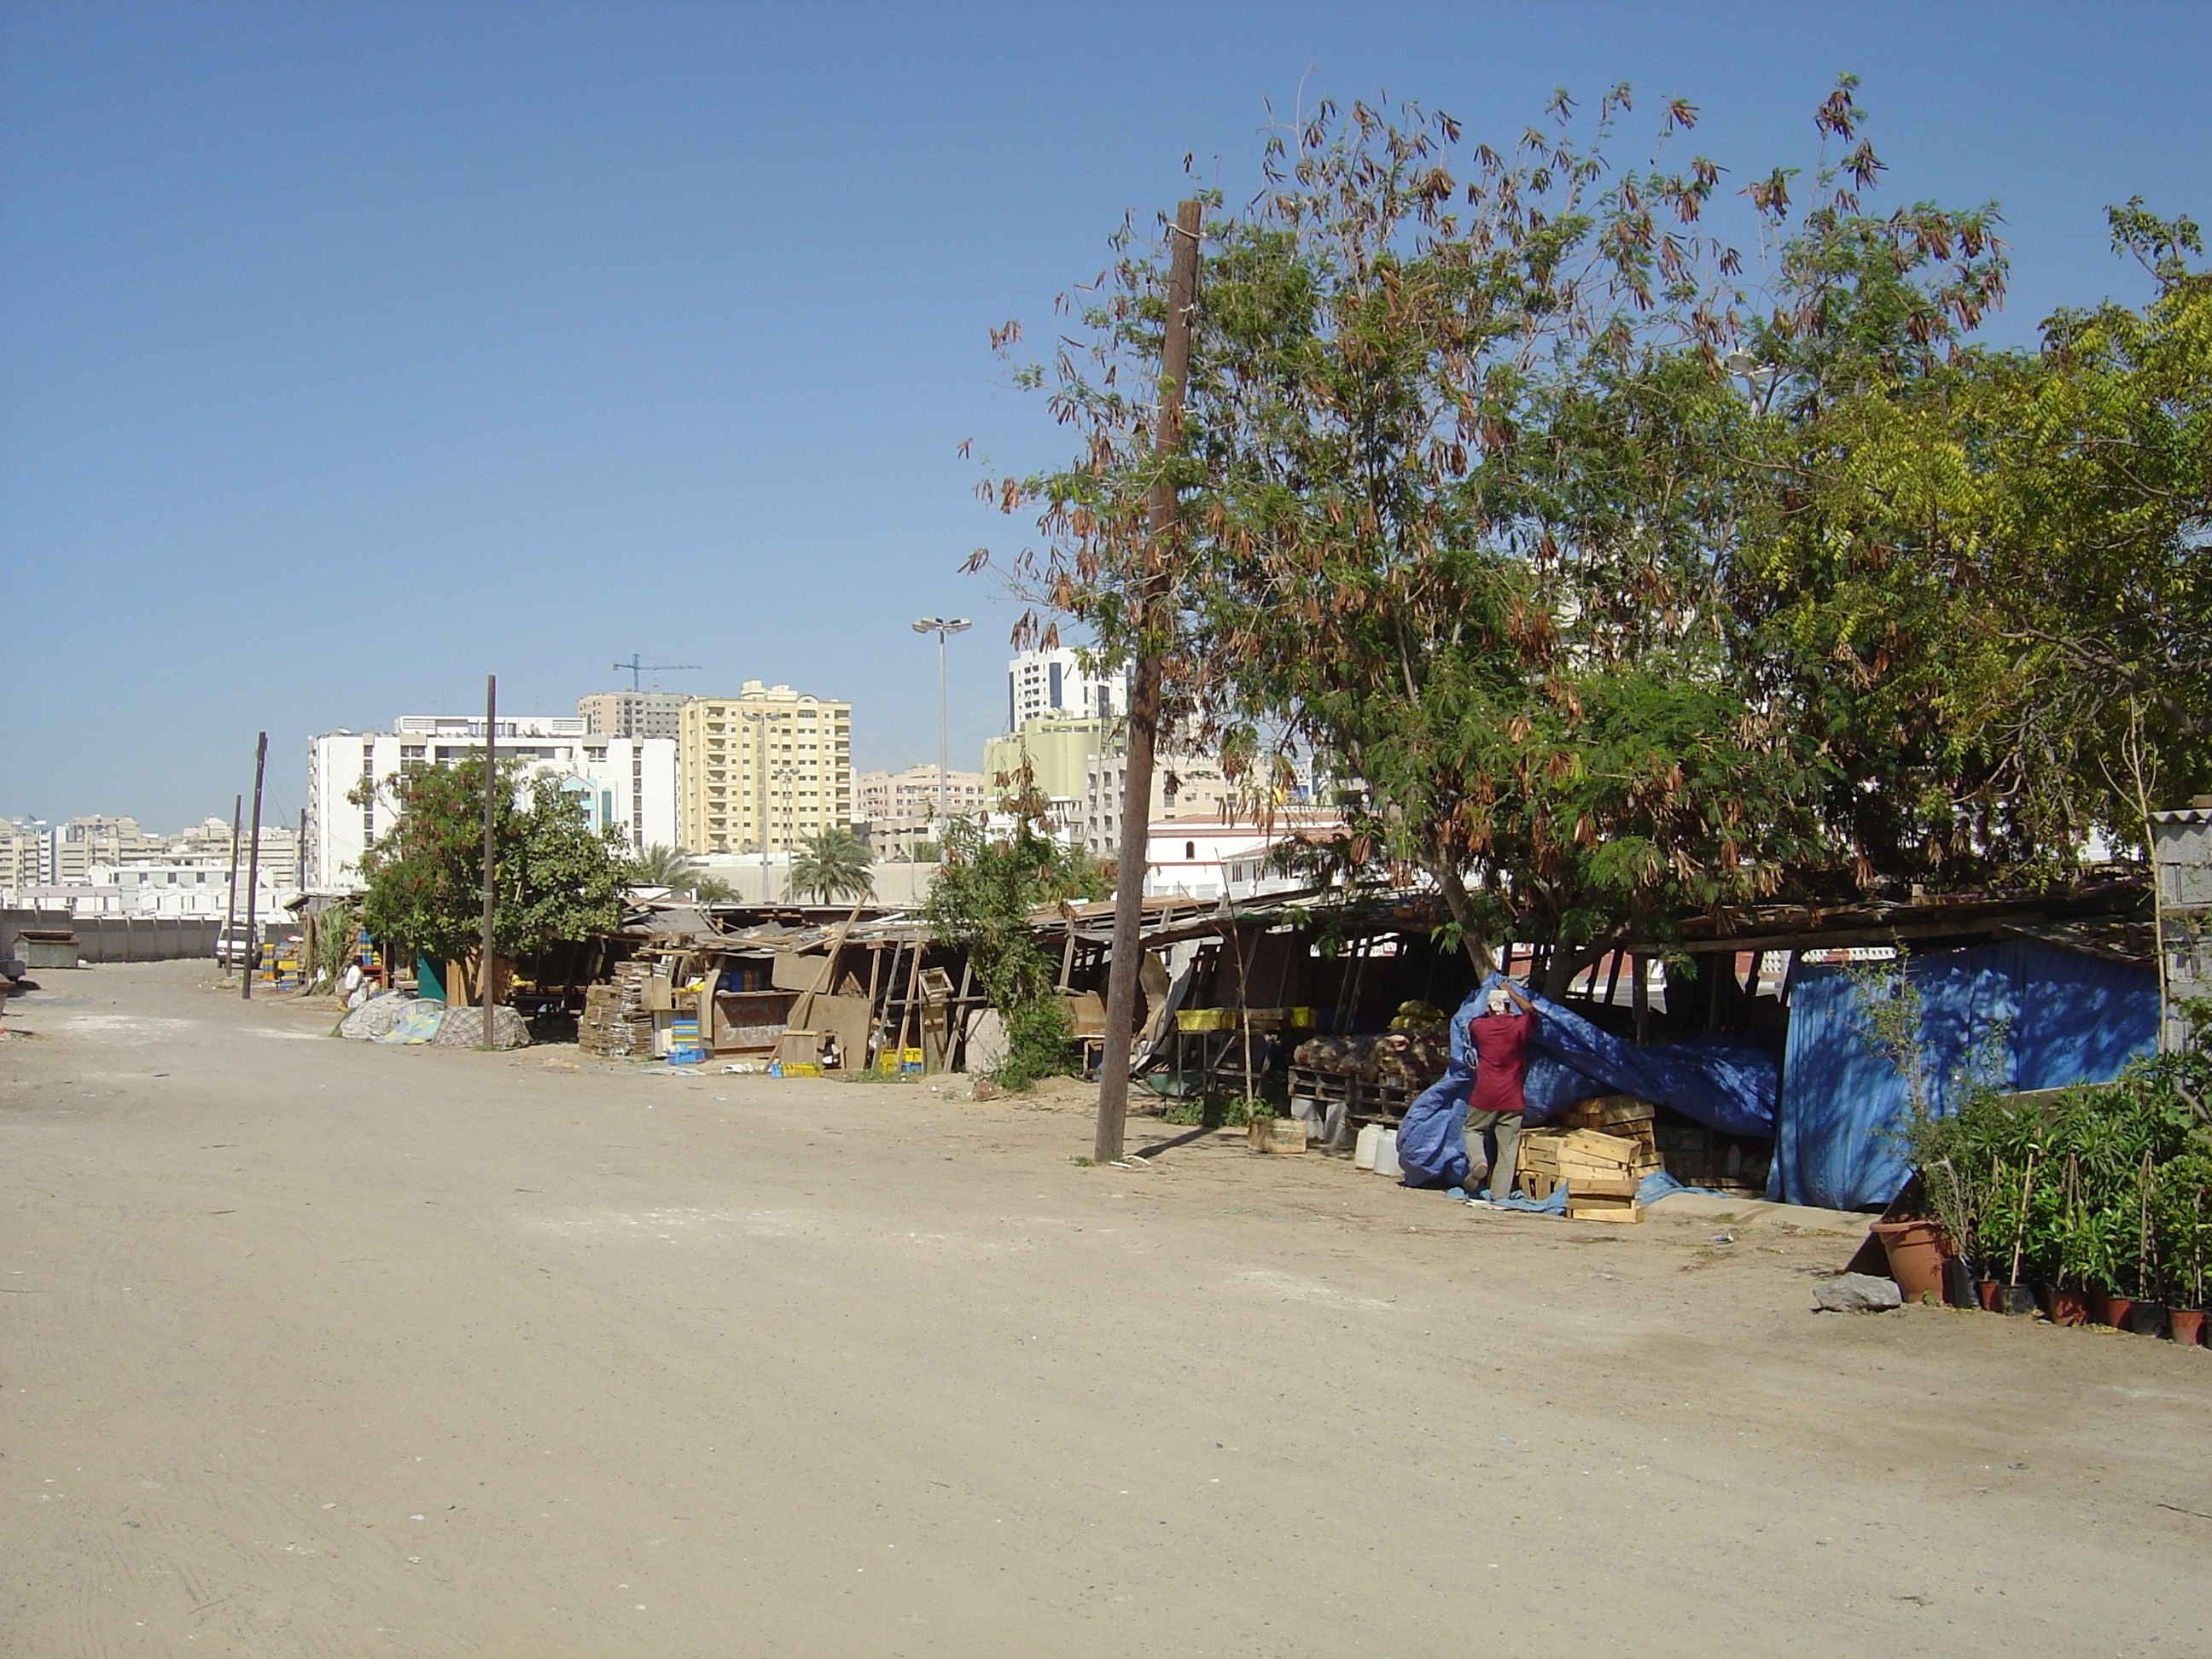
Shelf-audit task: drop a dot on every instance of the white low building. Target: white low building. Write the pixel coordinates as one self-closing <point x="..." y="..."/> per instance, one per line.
<point x="1213" y="859"/>
<point x="629" y="783"/>
<point x="194" y="889"/>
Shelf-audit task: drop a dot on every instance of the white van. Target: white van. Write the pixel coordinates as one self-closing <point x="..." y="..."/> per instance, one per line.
<point x="234" y="945"/>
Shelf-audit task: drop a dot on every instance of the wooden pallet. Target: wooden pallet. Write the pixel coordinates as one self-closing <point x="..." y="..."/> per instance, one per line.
<point x="1364" y="1101"/>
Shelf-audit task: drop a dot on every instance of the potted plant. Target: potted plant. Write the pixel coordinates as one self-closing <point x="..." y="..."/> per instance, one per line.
<point x="2070" y="1250"/>
<point x="2185" y="1230"/>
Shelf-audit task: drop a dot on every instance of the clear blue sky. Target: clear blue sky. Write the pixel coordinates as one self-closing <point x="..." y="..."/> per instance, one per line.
<point x="350" y="351"/>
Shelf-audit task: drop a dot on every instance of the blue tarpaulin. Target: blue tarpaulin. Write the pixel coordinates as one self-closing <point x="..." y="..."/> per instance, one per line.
<point x="1725" y="1082"/>
<point x="2066" y="1017"/>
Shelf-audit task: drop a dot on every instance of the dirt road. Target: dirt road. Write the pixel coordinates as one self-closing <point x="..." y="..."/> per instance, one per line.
<point x="316" y="1348"/>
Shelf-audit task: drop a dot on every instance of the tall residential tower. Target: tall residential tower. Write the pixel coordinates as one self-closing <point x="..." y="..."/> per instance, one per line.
<point x="763" y="771"/>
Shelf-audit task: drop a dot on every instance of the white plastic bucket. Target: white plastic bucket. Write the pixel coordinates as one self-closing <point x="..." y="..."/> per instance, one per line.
<point x="1386" y="1156"/>
<point x="1362" y="1149"/>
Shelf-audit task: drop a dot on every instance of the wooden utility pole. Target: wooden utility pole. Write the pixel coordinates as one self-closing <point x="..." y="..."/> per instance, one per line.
<point x="254" y="872"/>
<point x="484" y="975"/>
<point x="1144" y="722"/>
<point x="230" y="905"/>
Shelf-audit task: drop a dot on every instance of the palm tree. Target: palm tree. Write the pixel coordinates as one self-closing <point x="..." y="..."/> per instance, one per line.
<point x="659" y="865"/>
<point x="832" y="864"/>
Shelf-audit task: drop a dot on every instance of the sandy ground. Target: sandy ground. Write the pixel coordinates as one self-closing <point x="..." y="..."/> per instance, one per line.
<point x="321" y="1348"/>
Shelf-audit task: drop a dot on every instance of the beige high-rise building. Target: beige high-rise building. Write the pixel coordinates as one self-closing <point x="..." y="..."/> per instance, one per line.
<point x="763" y="771"/>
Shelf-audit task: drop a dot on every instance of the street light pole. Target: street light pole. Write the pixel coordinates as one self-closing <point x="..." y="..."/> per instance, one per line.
<point x="941" y="626"/>
<point x="784" y="774"/>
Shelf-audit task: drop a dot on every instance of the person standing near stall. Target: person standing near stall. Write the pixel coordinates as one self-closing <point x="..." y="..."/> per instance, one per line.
<point x="1499" y="1037"/>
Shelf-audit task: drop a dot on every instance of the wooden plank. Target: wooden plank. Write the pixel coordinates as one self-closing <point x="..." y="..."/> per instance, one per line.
<point x="1595" y="1144"/>
<point x="1596" y="1167"/>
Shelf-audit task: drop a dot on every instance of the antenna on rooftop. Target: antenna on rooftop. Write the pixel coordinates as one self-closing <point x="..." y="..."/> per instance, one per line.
<point x="637" y="670"/>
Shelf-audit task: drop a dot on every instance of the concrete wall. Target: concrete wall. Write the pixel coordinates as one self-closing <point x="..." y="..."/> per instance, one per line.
<point x="2182" y="845"/>
<point x="129" y="938"/>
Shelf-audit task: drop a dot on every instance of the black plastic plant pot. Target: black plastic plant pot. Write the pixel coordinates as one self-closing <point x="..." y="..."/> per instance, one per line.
<point x="2147" y="1319"/>
<point x="2018" y="1301"/>
<point x="1958" y="1284"/>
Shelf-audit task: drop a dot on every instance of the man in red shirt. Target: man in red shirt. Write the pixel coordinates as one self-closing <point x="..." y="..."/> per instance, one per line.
<point x="1499" y="1036"/>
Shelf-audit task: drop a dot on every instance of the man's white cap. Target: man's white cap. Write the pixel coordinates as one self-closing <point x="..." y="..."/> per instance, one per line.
<point x="1499" y="1002"/>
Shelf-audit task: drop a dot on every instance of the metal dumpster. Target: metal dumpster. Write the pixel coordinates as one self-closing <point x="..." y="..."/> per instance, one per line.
<point x="46" y="947"/>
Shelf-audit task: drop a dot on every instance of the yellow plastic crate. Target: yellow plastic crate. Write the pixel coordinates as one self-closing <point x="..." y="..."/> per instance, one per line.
<point x="1205" y="1019"/>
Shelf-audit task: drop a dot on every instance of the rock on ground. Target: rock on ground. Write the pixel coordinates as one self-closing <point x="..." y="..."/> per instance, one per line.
<point x="1856" y="1293"/>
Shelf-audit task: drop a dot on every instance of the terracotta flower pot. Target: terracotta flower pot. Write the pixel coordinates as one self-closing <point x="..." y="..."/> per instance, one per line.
<point x="2105" y="1309"/>
<point x="2066" y="1307"/>
<point x="1985" y="1293"/>
<point x="1915" y="1249"/>
<point x="2186" y="1326"/>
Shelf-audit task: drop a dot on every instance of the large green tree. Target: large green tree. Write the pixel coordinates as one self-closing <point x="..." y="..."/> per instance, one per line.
<point x="991" y="882"/>
<point x="1624" y="580"/>
<point x="555" y="878"/>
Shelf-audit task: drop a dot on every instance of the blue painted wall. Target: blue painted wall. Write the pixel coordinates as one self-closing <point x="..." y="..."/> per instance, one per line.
<point x="2073" y="1018"/>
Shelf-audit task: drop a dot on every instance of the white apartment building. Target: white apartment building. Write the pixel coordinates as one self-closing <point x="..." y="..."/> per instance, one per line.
<point x="878" y="796"/>
<point x="634" y="713"/>
<point x="194" y="889"/>
<point x="763" y="771"/>
<point x="1041" y="682"/>
<point x="33" y="853"/>
<point x="629" y="783"/>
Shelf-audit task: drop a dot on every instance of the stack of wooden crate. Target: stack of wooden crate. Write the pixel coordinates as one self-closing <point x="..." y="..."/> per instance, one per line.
<point x="1600" y="1171"/>
<point x="617" y="1022"/>
<point x="1621" y="1115"/>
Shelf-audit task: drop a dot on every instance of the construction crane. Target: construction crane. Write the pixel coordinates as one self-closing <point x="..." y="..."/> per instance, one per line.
<point x="637" y="670"/>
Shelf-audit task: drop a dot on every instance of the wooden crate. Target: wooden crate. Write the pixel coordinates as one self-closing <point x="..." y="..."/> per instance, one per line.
<point x="1537" y="1166"/>
<point x="1603" y="1208"/>
<point x="1580" y="1186"/>
<point x="1611" y="1113"/>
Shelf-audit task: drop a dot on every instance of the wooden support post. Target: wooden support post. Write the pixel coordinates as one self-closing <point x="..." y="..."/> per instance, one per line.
<point x="1639" y="995"/>
<point x="230" y="910"/>
<point x="486" y="987"/>
<point x="882" y="1018"/>
<point x="1143" y="717"/>
<point x="955" y="1025"/>
<point x="910" y="1011"/>
<point x="253" y="872"/>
